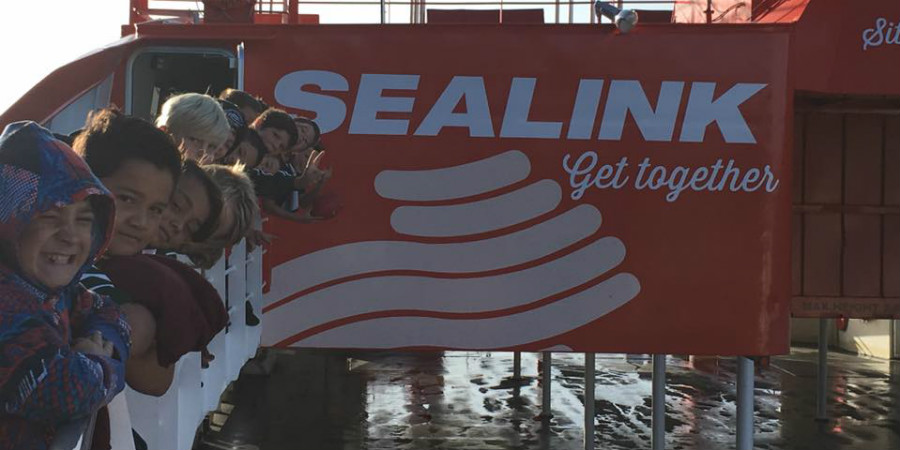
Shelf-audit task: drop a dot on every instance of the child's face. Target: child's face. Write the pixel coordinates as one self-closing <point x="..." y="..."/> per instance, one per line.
<point x="245" y="153"/>
<point x="269" y="164"/>
<point x="276" y="139"/>
<point x="142" y="193"/>
<point x="197" y="149"/>
<point x="56" y="244"/>
<point x="249" y="114"/>
<point x="188" y="211"/>
<point x="306" y="136"/>
<point x="223" y="149"/>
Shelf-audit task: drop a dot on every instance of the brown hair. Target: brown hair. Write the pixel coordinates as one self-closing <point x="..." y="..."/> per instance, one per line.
<point x="237" y="191"/>
<point x="110" y="138"/>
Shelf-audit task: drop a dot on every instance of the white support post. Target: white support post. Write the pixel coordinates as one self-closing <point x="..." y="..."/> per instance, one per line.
<point x="745" y="404"/>
<point x="589" y="379"/>
<point x="545" y="385"/>
<point x="658" y="421"/>
<point x="822" y="379"/>
<point x="517" y="366"/>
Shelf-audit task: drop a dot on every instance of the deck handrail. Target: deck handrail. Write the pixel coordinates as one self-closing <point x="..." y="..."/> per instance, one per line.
<point x="171" y="420"/>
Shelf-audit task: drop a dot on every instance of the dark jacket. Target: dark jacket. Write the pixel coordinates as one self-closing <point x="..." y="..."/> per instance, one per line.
<point x="188" y="310"/>
<point x="43" y="382"/>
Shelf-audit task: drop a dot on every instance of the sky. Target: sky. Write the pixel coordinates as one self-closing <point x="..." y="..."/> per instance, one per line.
<point x="37" y="36"/>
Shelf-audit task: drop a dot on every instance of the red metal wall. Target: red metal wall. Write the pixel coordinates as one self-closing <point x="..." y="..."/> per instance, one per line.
<point x="846" y="244"/>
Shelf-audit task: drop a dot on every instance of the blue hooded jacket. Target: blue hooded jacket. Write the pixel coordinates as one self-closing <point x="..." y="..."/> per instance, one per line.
<point x="43" y="382"/>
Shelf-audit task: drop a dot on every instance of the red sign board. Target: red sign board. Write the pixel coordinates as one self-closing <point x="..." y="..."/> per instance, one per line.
<point x="848" y="49"/>
<point x="537" y="188"/>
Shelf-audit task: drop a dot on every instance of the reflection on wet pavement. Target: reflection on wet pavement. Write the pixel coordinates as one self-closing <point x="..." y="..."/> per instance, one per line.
<point x="322" y="400"/>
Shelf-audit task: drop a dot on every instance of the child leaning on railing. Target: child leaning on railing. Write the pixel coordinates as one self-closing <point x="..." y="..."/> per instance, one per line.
<point x="62" y="348"/>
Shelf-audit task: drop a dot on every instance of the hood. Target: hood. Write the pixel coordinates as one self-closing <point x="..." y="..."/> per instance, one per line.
<point x="39" y="172"/>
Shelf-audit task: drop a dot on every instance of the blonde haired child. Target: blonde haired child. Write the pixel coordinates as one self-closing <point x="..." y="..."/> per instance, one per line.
<point x="197" y="123"/>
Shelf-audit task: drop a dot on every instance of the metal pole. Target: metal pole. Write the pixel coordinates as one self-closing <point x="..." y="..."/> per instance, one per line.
<point x="293" y="12"/>
<point x="589" y="378"/>
<point x="545" y="380"/>
<point x="658" y="423"/>
<point x="517" y="366"/>
<point x="822" y="380"/>
<point x="383" y="11"/>
<point x="745" y="404"/>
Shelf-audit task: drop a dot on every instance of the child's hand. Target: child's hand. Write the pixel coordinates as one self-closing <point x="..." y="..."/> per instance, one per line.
<point x="306" y="217"/>
<point x="94" y="345"/>
<point x="256" y="238"/>
<point x="312" y="178"/>
<point x="270" y="164"/>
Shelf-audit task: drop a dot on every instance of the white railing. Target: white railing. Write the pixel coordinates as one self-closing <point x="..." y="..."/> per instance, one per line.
<point x="171" y="421"/>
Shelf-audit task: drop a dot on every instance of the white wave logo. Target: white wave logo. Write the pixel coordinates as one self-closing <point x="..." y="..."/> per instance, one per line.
<point x="466" y="305"/>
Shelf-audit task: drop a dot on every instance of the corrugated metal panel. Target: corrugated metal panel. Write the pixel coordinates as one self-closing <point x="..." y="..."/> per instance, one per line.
<point x="822" y="158"/>
<point x="797" y="252"/>
<point x="892" y="161"/>
<point x="862" y="256"/>
<point x="846" y="225"/>
<point x="862" y="157"/>
<point x="822" y="255"/>
<point x="891" y="269"/>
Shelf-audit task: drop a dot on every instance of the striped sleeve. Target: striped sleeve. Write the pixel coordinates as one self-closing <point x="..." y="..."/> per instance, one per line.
<point x="98" y="282"/>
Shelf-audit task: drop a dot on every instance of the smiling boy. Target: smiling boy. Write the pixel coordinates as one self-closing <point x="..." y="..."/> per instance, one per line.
<point x="62" y="348"/>
<point x="193" y="214"/>
<point x="141" y="166"/>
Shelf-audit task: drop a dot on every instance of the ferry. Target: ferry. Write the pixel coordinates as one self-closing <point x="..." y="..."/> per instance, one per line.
<point x="683" y="180"/>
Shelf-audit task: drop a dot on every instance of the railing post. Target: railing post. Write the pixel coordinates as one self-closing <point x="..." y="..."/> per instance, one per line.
<point x="138" y="8"/>
<point x="589" y="380"/>
<point x="517" y="366"/>
<point x="293" y="12"/>
<point x="822" y="378"/>
<point x="545" y="385"/>
<point x="658" y="421"/>
<point x="745" y="404"/>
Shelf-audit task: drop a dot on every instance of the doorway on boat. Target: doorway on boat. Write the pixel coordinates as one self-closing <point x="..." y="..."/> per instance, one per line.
<point x="155" y="74"/>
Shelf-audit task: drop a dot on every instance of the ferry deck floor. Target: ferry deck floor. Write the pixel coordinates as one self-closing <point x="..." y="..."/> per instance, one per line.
<point x="327" y="400"/>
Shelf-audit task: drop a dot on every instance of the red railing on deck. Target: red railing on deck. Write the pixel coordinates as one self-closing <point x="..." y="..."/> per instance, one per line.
<point x="415" y="11"/>
<point x="219" y="11"/>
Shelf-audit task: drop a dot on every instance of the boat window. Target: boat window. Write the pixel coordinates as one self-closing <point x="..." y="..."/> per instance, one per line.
<point x="155" y="75"/>
<point x="72" y="116"/>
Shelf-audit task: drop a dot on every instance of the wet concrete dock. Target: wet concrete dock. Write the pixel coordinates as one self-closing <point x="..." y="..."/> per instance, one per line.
<point x="321" y="400"/>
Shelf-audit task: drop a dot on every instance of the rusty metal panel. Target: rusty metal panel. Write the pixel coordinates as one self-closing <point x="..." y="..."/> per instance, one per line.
<point x="822" y="158"/>
<point x="797" y="155"/>
<point x="862" y="255"/>
<point x="822" y="255"/>
<point x="891" y="267"/>
<point x="892" y="161"/>
<point x="863" y="152"/>
<point x="848" y="262"/>
<point x="797" y="255"/>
